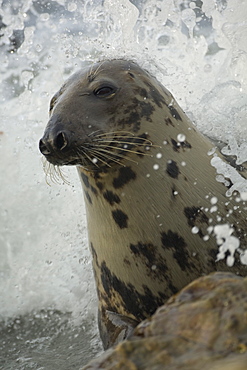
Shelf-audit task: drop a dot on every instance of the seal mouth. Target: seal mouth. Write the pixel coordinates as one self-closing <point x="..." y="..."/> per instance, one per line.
<point x="57" y="161"/>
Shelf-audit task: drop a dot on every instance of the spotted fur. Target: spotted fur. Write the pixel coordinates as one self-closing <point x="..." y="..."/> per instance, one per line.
<point x="150" y="218"/>
<point x="172" y="169"/>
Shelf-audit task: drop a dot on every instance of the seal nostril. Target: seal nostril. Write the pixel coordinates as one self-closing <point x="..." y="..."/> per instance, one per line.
<point x="43" y="148"/>
<point x="61" y="141"/>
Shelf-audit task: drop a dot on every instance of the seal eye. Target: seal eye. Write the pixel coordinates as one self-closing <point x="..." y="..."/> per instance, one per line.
<point x="104" y="92"/>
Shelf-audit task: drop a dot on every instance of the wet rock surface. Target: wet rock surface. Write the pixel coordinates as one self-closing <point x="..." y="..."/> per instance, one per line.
<point x="203" y="327"/>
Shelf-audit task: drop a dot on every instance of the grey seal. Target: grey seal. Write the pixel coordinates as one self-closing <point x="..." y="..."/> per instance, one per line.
<point x="157" y="218"/>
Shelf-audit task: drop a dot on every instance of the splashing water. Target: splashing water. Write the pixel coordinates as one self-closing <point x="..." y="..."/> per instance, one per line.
<point x="196" y="49"/>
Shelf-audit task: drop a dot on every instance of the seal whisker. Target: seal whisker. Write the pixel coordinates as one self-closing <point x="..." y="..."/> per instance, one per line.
<point x="123" y="149"/>
<point x="115" y="140"/>
<point x="102" y="149"/>
<point x="83" y="152"/>
<point x="113" y="133"/>
<point x="90" y="71"/>
<point x="97" y="155"/>
<point x="92" y="133"/>
<point x="119" y="134"/>
<point x="60" y="173"/>
<point x="54" y="173"/>
<point x="48" y="169"/>
<point x="98" y="68"/>
<point x="117" y="137"/>
<point x="93" y="74"/>
<point x="108" y="155"/>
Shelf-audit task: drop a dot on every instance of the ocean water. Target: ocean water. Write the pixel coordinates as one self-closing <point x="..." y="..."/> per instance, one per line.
<point x="197" y="49"/>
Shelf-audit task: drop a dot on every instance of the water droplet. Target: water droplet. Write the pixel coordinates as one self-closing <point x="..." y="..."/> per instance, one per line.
<point x="181" y="138"/>
<point x="213" y="200"/>
<point x="207" y="68"/>
<point x="194" y="230"/>
<point x="44" y="17"/>
<point x="210" y="229"/>
<point x="211" y="151"/>
<point x="71" y="7"/>
<point x="243" y="196"/>
<point x="38" y="48"/>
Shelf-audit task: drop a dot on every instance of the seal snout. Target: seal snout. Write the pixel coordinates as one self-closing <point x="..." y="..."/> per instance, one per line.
<point x="56" y="146"/>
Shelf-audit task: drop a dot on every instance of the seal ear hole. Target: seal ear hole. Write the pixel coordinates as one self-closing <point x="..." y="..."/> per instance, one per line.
<point x="131" y="75"/>
<point x="52" y="103"/>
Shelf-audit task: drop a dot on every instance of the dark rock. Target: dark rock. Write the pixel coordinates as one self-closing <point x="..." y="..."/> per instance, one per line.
<point x="203" y="327"/>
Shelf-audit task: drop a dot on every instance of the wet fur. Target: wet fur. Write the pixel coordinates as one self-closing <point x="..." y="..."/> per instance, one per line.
<point x="141" y="217"/>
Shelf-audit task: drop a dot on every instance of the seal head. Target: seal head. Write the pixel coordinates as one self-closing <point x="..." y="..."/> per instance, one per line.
<point x="93" y="106"/>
